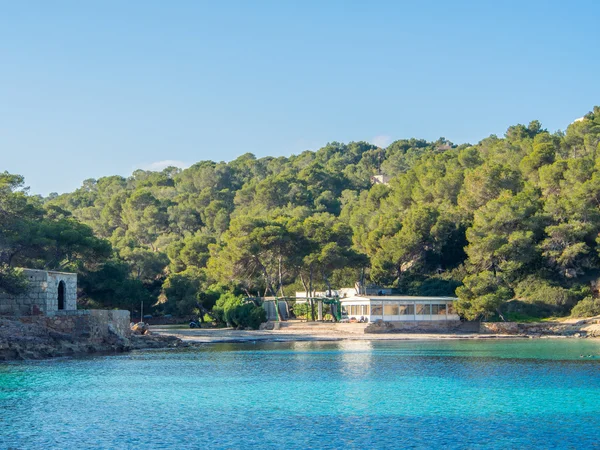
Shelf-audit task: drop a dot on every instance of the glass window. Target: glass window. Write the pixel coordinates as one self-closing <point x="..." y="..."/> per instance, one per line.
<point x="366" y="310"/>
<point x="376" y="309"/>
<point x="451" y="309"/>
<point x="390" y="309"/>
<point x="407" y="310"/>
<point x="423" y="309"/>
<point x="438" y="309"/>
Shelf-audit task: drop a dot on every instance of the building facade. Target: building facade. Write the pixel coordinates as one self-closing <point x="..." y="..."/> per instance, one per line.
<point x="399" y="308"/>
<point x="48" y="292"/>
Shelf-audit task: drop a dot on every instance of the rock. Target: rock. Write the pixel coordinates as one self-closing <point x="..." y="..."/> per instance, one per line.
<point x="266" y="326"/>
<point x="141" y="342"/>
<point x="139" y="328"/>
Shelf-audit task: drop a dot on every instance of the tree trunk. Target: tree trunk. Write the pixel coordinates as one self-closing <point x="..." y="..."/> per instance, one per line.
<point x="500" y="314"/>
<point x="270" y="287"/>
<point x="310" y="286"/>
<point x="327" y="283"/>
<point x="203" y="311"/>
<point x="333" y="306"/>
<point x="280" y="276"/>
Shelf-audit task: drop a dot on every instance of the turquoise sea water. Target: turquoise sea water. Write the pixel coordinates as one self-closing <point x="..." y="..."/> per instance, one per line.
<point x="354" y="394"/>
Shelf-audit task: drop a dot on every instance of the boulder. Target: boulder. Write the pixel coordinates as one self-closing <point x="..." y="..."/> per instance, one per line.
<point x="266" y="326"/>
<point x="139" y="328"/>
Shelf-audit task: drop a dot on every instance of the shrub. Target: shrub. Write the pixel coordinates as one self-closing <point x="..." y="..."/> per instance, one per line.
<point x="536" y="290"/>
<point x="520" y="311"/>
<point x="232" y="310"/>
<point x="586" y="308"/>
<point x="301" y="310"/>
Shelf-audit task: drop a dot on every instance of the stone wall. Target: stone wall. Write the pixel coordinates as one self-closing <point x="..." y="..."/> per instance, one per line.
<point x="42" y="294"/>
<point x="421" y="326"/>
<point x="108" y="322"/>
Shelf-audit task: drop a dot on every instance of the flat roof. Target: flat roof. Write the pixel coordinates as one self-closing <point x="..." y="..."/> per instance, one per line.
<point x="25" y="269"/>
<point x="407" y="298"/>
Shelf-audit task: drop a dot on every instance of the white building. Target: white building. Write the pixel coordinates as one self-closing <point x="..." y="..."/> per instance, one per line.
<point x="395" y="308"/>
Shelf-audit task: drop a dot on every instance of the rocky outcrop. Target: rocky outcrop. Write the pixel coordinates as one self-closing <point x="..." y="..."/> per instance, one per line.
<point x="581" y="328"/>
<point x="20" y="340"/>
<point x="150" y="341"/>
<point x="40" y="337"/>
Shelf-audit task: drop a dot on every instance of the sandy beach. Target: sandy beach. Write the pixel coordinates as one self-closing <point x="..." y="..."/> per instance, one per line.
<point x="302" y="331"/>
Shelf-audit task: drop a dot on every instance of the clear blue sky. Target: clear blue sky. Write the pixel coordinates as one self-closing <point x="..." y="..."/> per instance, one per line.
<point x="95" y="88"/>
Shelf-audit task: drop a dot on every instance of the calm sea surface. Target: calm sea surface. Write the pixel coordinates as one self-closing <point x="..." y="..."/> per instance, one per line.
<point x="436" y="394"/>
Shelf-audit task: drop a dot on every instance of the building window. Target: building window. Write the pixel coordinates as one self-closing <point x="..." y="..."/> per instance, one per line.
<point x="451" y="309"/>
<point x="407" y="310"/>
<point x="438" y="309"/>
<point x="423" y="310"/>
<point x="376" y="309"/>
<point x="366" y="310"/>
<point x="390" y="309"/>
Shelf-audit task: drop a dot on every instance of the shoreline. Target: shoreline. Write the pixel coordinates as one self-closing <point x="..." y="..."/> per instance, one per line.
<point x="230" y="335"/>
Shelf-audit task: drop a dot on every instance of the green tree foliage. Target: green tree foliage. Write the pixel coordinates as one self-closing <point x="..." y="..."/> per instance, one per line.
<point x="488" y="216"/>
<point x="111" y="287"/>
<point x="481" y="295"/>
<point x="12" y="281"/>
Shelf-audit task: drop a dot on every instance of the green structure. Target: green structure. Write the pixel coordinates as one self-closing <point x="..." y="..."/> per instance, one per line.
<point x="271" y="303"/>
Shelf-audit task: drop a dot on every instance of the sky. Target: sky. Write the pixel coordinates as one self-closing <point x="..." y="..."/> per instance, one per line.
<point x="97" y="88"/>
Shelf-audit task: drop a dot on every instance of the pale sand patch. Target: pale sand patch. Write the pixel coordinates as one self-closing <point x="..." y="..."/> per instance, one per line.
<point x="311" y="332"/>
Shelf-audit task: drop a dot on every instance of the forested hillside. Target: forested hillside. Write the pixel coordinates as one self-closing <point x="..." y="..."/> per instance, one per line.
<point x="513" y="218"/>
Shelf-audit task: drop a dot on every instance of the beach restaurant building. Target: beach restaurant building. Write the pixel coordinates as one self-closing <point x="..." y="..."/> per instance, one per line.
<point x="395" y="308"/>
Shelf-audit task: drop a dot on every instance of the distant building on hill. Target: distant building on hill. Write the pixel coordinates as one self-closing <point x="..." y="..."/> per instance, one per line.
<point x="48" y="293"/>
<point x="380" y="179"/>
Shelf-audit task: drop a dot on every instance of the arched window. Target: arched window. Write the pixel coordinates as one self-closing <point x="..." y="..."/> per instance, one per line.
<point x="61" y="295"/>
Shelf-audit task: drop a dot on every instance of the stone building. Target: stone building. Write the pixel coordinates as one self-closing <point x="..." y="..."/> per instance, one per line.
<point x="48" y="293"/>
<point x="380" y="179"/>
